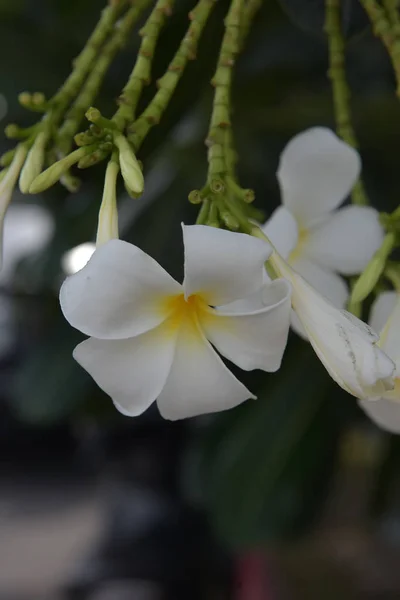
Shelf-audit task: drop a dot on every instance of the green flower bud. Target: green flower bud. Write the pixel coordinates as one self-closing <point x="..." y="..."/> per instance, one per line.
<point x="34" y="163"/>
<point x="51" y="175"/>
<point x="130" y="168"/>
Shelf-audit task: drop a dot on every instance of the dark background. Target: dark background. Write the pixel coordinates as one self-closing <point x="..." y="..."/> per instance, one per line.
<point x="297" y="493"/>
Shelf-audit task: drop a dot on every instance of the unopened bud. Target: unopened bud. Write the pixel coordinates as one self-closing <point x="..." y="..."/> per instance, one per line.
<point x="195" y="197"/>
<point x="51" y="175"/>
<point x="34" y="163"/>
<point x="107" y="228"/>
<point x="130" y="168"/>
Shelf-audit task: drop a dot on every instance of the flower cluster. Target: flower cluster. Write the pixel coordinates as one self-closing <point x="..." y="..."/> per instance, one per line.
<point x="152" y="338"/>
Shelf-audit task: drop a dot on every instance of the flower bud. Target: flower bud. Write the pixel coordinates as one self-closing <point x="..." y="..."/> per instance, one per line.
<point x="107" y="228"/>
<point x="51" y="175"/>
<point x="34" y="163"/>
<point x="130" y="168"/>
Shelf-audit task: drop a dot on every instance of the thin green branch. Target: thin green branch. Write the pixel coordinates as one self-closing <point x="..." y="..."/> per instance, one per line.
<point x="384" y="30"/>
<point x="92" y="85"/>
<point x="141" y="73"/>
<point x="168" y="82"/>
<point x="340" y="89"/>
<point x="218" y="138"/>
<point x="83" y="63"/>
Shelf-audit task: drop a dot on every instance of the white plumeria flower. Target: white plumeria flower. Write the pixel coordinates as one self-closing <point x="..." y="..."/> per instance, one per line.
<point x="151" y="336"/>
<point x="346" y="346"/>
<point x="316" y="172"/>
<point x="385" y="318"/>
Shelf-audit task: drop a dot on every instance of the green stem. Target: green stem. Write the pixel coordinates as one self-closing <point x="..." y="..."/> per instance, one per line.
<point x="83" y="62"/>
<point x="340" y="89"/>
<point x="168" y="82"/>
<point x="219" y="138"/>
<point x="384" y="30"/>
<point x="92" y="85"/>
<point x="141" y="73"/>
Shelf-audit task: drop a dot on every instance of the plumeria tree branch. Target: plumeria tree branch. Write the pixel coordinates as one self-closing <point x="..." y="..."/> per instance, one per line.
<point x="386" y="31"/>
<point x="223" y="200"/>
<point x="92" y="85"/>
<point x="54" y="108"/>
<point x="340" y="88"/>
<point x="167" y="84"/>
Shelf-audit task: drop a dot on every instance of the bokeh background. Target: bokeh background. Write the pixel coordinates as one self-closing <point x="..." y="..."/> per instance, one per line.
<point x="293" y="497"/>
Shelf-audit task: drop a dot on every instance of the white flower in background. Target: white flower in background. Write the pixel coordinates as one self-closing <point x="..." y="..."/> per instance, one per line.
<point x="385" y="318"/>
<point x="316" y="172"/>
<point x="151" y="336"/>
<point x="7" y="185"/>
<point x="346" y="346"/>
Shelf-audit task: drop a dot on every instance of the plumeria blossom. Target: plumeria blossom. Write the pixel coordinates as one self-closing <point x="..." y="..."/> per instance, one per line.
<point x="346" y="346"/>
<point x="316" y="172"/>
<point x="153" y="338"/>
<point x="385" y="318"/>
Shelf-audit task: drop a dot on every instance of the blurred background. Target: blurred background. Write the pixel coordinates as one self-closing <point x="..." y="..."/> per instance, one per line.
<point x="293" y="497"/>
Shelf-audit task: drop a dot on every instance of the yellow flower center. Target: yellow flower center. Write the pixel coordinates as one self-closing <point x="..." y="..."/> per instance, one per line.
<point x="184" y="310"/>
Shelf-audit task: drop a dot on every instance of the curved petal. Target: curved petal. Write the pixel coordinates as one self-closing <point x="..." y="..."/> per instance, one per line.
<point x="385" y="413"/>
<point x="329" y="284"/>
<point x="316" y="172"/>
<point x="199" y="382"/>
<point x="256" y="339"/>
<point x="281" y="228"/>
<point x="222" y="266"/>
<point x="346" y="240"/>
<point x="385" y="318"/>
<point x="133" y="371"/>
<point x="118" y="294"/>
<point x="345" y="345"/>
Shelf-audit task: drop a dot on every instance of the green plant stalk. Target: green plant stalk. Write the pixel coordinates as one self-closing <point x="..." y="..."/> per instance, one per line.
<point x="340" y="89"/>
<point x="219" y="138"/>
<point x="92" y="85"/>
<point x="141" y="73"/>
<point x="83" y="62"/>
<point x="167" y="84"/>
<point x="383" y="29"/>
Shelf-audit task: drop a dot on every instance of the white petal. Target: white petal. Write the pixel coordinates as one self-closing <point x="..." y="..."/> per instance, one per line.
<point x="327" y="283"/>
<point x="133" y="371"/>
<point x="345" y="345"/>
<point x="281" y="228"/>
<point x="199" y="382"/>
<point x="222" y="266"/>
<point x="253" y="340"/>
<point x="316" y="173"/>
<point x="385" y="413"/>
<point x="388" y="305"/>
<point x="118" y="294"/>
<point x="346" y="240"/>
<point x="382" y="309"/>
